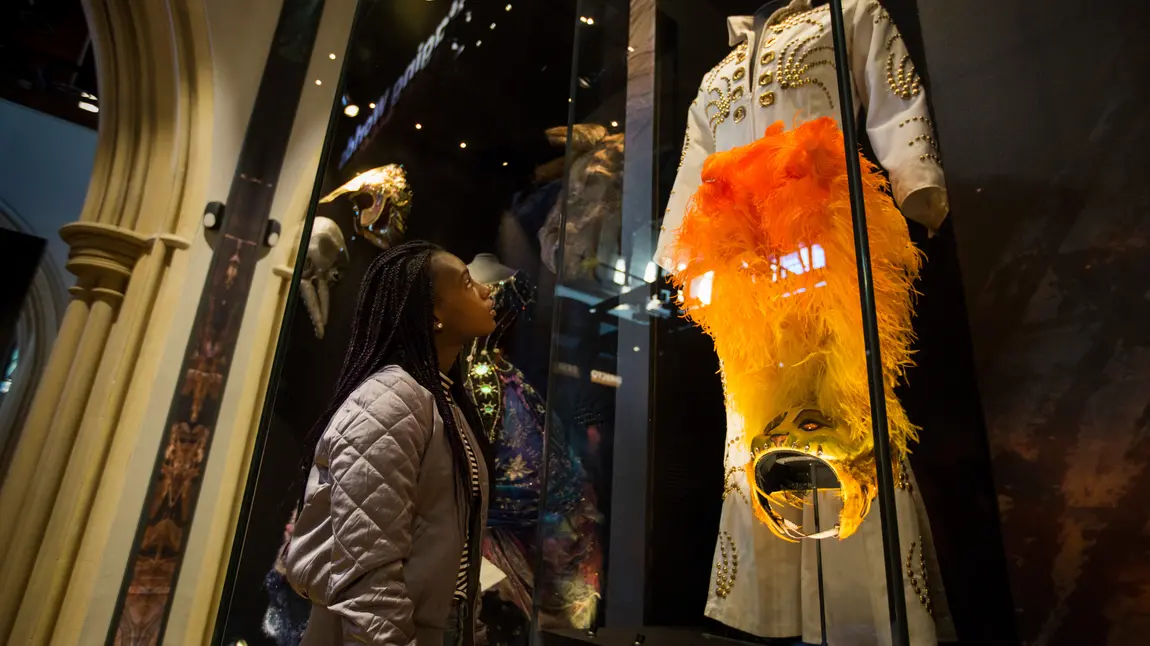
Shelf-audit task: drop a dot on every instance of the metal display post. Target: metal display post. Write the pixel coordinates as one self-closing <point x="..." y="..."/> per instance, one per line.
<point x="896" y="602"/>
<point x="819" y="558"/>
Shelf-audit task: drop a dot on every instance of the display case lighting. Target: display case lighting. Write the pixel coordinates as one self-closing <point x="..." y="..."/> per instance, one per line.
<point x="504" y="163"/>
<point x="419" y="126"/>
<point x="351" y="110"/>
<point x="492" y="26"/>
<point x="371" y="106"/>
<point x="318" y="82"/>
<point x="331" y="56"/>
<point x="88" y="107"/>
<point x="507" y="8"/>
<point x="479" y="43"/>
<point x="614" y="124"/>
<point x="463" y="144"/>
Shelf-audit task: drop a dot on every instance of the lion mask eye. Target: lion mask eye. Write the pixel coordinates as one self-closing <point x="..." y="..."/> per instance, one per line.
<point x="811" y="420"/>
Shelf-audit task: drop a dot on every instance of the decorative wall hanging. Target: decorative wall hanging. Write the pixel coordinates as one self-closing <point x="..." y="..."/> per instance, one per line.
<point x="145" y="596"/>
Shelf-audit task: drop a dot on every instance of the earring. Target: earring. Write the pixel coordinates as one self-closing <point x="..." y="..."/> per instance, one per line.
<point x="438" y="325"/>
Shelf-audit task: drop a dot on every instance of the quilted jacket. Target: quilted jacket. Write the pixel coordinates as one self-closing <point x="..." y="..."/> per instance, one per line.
<point x="376" y="546"/>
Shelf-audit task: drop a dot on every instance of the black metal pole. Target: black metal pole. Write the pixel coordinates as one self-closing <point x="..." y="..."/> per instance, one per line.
<point x="896" y="602"/>
<point x="819" y="559"/>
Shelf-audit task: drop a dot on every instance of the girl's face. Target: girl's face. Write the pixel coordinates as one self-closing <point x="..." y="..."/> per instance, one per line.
<point x="462" y="305"/>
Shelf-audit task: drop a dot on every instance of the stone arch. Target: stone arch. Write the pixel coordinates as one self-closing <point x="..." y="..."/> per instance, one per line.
<point x="35" y="331"/>
<point x="154" y="72"/>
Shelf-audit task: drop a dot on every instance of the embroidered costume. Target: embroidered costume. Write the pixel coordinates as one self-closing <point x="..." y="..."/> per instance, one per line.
<point x="758" y="236"/>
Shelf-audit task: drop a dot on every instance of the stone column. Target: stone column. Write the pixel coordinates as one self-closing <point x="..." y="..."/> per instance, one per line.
<point x="102" y="258"/>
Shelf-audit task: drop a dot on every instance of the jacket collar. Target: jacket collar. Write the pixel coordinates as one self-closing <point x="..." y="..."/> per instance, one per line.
<point x="740" y="28"/>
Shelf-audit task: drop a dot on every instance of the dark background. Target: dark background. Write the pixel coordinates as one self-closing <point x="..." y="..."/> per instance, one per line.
<point x="1041" y="116"/>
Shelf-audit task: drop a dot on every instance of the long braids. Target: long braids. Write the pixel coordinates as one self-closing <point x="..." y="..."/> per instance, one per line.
<point x="393" y="326"/>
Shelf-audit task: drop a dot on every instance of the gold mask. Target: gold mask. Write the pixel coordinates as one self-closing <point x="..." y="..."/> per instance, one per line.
<point x="383" y="221"/>
<point x="803" y="450"/>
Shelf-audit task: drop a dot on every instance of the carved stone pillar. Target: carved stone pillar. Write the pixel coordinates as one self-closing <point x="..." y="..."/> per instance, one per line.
<point x="102" y="258"/>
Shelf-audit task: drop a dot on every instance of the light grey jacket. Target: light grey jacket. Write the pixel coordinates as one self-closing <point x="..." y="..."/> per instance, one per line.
<point x="376" y="547"/>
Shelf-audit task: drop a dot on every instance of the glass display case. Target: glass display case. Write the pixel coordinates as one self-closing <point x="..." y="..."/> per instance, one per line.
<point x="681" y="391"/>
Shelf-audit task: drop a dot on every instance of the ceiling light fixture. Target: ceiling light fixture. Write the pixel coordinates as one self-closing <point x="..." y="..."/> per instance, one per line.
<point x="590" y="21"/>
<point x="507" y="8"/>
<point x="351" y="110"/>
<point x="371" y="105"/>
<point x="419" y="126"/>
<point x="318" y="82"/>
<point x="479" y="43"/>
<point x="614" y="124"/>
<point x="505" y="163"/>
<point x="331" y="56"/>
<point x="88" y="107"/>
<point x="463" y="144"/>
<point x="492" y="26"/>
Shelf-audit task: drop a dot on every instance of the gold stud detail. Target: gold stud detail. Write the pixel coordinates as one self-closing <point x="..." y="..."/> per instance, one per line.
<point x="686" y="145"/>
<point x="737" y="94"/>
<point x="732" y="476"/>
<point x="917" y="580"/>
<point x="739" y="74"/>
<point x="722" y="105"/>
<point x="903" y="80"/>
<point x="928" y="122"/>
<point x="728" y="566"/>
<point x="766" y="58"/>
<point x="767" y="99"/>
<point x="765" y="78"/>
<point x="793" y="66"/>
<point x="740" y="113"/>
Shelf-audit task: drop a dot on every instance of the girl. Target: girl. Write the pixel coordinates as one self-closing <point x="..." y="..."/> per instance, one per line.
<point x="387" y="543"/>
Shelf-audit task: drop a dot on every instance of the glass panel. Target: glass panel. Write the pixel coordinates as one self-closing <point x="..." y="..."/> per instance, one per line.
<point x="717" y="438"/>
<point x="451" y="117"/>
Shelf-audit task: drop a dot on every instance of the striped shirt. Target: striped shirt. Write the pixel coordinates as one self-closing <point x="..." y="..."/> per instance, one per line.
<point x="473" y="471"/>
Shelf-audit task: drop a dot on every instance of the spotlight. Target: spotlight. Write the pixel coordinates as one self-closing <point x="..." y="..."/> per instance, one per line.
<point x="351" y="110"/>
<point x="318" y="82"/>
<point x="614" y="124"/>
<point x="463" y="144"/>
<point x="371" y="106"/>
<point x="88" y="107"/>
<point x="331" y="56"/>
<point x="507" y="8"/>
<point x="419" y="126"/>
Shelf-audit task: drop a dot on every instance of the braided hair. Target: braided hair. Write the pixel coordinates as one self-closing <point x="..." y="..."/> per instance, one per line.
<point x="393" y="326"/>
